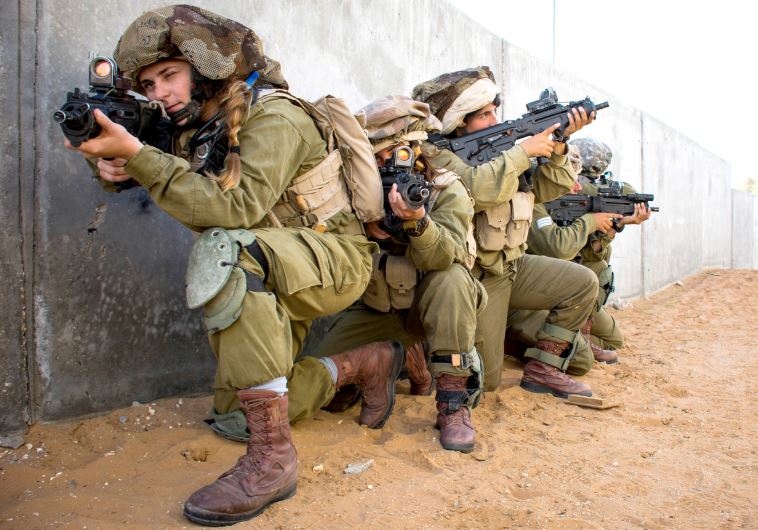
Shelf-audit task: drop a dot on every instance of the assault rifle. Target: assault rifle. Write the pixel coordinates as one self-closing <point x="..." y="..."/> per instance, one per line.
<point x="110" y="93"/>
<point x="482" y="146"/>
<point x="566" y="209"/>
<point x="411" y="185"/>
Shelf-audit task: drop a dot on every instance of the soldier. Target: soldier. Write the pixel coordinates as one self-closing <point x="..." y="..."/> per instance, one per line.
<point x="595" y="255"/>
<point x="466" y="101"/>
<point x="421" y="287"/>
<point x="261" y="273"/>
<point x="562" y="242"/>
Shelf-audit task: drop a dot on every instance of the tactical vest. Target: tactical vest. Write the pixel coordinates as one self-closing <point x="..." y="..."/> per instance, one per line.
<point x="505" y="225"/>
<point x="394" y="278"/>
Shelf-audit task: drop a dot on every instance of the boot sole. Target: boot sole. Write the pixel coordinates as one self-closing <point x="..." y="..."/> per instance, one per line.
<point x="397" y="366"/>
<point x="614" y="361"/>
<point x="542" y="389"/>
<point x="223" y="519"/>
<point x="460" y="448"/>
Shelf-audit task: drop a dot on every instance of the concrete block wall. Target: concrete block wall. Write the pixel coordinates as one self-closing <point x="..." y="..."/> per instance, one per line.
<point x="94" y="313"/>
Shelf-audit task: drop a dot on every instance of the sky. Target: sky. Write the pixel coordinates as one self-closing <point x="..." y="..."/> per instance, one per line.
<point x="691" y="64"/>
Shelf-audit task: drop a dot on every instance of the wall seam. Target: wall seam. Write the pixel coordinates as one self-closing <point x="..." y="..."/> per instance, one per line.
<point x="28" y="189"/>
<point x="642" y="186"/>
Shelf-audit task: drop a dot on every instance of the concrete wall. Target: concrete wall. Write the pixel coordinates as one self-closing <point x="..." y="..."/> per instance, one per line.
<point x="94" y="313"/>
<point x="744" y="226"/>
<point x="15" y="183"/>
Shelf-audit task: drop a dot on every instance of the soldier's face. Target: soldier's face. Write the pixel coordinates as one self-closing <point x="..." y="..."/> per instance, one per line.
<point x="383" y="155"/>
<point x="483" y="118"/>
<point x="168" y="81"/>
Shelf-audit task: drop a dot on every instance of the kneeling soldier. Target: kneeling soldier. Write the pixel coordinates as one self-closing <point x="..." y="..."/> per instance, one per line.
<point x="421" y="287"/>
<point x="466" y="101"/>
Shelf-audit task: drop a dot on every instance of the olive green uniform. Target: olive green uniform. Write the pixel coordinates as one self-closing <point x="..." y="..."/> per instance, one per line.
<point x="310" y="274"/>
<point x="443" y="311"/>
<point x="548" y="239"/>
<point x="511" y="278"/>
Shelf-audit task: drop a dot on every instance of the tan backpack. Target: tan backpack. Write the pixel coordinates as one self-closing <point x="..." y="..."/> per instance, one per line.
<point x="344" y="133"/>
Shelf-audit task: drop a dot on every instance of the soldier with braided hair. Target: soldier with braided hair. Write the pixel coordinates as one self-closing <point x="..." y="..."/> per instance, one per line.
<point x="279" y="240"/>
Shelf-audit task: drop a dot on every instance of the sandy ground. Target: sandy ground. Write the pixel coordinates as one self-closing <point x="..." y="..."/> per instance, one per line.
<point x="680" y="451"/>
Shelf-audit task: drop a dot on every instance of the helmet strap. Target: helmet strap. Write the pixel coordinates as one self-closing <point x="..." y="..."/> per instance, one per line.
<point x="189" y="112"/>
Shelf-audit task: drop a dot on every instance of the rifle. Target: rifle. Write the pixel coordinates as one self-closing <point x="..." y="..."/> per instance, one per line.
<point x="111" y="94"/>
<point x="564" y="210"/>
<point x="482" y="146"/>
<point x="411" y="185"/>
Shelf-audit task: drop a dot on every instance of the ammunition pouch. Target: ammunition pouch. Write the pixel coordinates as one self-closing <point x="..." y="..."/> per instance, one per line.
<point x="471" y="361"/>
<point x="563" y="360"/>
<point x="505" y="225"/>
<point x="392" y="284"/>
<point x="214" y="280"/>
<point x="315" y="196"/>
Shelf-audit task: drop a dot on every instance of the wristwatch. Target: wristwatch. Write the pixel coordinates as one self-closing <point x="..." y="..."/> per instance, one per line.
<point x="415" y="228"/>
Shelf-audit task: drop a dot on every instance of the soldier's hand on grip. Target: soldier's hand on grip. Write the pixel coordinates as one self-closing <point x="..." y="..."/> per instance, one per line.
<point x="604" y="220"/>
<point x="540" y="144"/>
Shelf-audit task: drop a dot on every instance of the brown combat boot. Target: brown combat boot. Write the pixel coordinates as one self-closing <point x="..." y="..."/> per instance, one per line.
<point x="600" y="355"/>
<point x="544" y="378"/>
<point x="267" y="473"/>
<point x="343" y="399"/>
<point x="456" y="429"/>
<point x="374" y="369"/>
<point x="418" y="373"/>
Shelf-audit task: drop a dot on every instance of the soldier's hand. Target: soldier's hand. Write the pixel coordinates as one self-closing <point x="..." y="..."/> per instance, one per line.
<point x="604" y="220"/>
<point x="641" y="214"/>
<point x="401" y="209"/>
<point x="540" y="144"/>
<point x="577" y="119"/>
<point x="373" y="231"/>
<point x="114" y="141"/>
<point x="112" y="170"/>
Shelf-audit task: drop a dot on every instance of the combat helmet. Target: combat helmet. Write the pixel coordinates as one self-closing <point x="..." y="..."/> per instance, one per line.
<point x="217" y="48"/>
<point x="575" y="158"/>
<point x="596" y="156"/>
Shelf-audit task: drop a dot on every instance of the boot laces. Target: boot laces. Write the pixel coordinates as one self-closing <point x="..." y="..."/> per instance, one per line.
<point x="260" y="428"/>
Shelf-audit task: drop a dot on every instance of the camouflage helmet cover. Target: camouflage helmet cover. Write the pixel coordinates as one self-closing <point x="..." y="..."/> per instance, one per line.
<point x="575" y="158"/>
<point x="217" y="47"/>
<point x="393" y="119"/>
<point x="453" y="95"/>
<point x="596" y="156"/>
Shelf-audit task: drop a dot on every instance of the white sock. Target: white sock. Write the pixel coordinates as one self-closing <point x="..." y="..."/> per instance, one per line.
<point x="331" y="367"/>
<point x="278" y="385"/>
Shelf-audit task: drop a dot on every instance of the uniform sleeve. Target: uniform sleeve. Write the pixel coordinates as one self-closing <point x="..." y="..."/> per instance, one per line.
<point x="553" y="179"/>
<point x="273" y="149"/>
<point x="563" y="242"/>
<point x="588" y="254"/>
<point x="490" y="184"/>
<point x="444" y="240"/>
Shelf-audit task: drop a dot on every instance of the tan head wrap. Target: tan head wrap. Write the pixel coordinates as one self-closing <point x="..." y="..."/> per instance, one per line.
<point x="453" y="95"/>
<point x="393" y="119"/>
